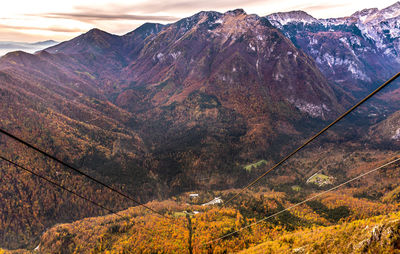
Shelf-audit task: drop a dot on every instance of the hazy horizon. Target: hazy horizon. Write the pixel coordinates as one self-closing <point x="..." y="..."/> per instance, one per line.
<point x="25" y="21"/>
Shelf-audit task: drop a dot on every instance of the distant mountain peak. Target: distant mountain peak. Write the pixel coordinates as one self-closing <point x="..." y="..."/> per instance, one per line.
<point x="292" y="16"/>
<point x="395" y="5"/>
<point x="96" y="31"/>
<point x="95" y="40"/>
<point x="392" y="10"/>
<point x="97" y="36"/>
<point x="17" y="53"/>
<point x="209" y="18"/>
<point x="368" y="11"/>
<point x="18" y="57"/>
<point x="374" y="15"/>
<point x="146" y="29"/>
<point x="48" y="42"/>
<point x="236" y="12"/>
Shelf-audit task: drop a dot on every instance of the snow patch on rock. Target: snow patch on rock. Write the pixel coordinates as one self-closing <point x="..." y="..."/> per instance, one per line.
<point x="283" y="18"/>
<point x="357" y="73"/>
<point x="160" y="56"/>
<point x="277" y="76"/>
<point x="175" y="55"/>
<point x="311" y="109"/>
<point x="396" y="136"/>
<point x="251" y="46"/>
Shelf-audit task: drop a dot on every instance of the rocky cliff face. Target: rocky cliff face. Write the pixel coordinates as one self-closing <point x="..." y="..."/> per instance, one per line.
<point x="356" y="52"/>
<point x="231" y="55"/>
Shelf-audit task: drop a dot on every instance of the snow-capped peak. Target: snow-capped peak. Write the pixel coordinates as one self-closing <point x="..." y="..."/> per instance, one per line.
<point x="375" y="16"/>
<point x="293" y="16"/>
<point x="345" y="48"/>
<point x="365" y="14"/>
<point x="391" y="11"/>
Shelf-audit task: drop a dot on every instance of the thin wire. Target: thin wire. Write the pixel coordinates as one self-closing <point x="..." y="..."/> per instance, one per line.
<point x="79" y="171"/>
<point x="315" y="136"/>
<point x="59" y="185"/>
<point x="304" y="201"/>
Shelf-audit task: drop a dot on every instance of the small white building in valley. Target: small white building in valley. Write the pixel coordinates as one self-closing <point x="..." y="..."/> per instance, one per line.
<point x="216" y="200"/>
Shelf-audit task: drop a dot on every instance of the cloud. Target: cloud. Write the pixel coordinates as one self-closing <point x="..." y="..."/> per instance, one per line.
<point x="181" y="7"/>
<point x="15" y="35"/>
<point x="82" y="16"/>
<point x="322" y="7"/>
<point x="147" y="10"/>
<point x="52" y="29"/>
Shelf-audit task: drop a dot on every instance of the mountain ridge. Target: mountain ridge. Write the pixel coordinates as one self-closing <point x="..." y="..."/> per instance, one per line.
<point x="162" y="107"/>
<point x="355" y="52"/>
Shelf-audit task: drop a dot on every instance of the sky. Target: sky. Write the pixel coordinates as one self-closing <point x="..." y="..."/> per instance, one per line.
<point x="32" y="21"/>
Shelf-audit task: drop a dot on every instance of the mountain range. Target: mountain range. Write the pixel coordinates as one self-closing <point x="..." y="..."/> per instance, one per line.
<point x="9" y="46"/>
<point x="354" y="52"/>
<point x="157" y="110"/>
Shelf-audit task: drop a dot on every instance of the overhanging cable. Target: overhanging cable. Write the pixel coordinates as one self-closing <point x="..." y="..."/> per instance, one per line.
<point x="315" y="136"/>
<point x="58" y="185"/>
<point x="304" y="201"/>
<point x="79" y="171"/>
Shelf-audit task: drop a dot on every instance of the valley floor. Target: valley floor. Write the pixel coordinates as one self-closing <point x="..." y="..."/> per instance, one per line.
<point x="335" y="223"/>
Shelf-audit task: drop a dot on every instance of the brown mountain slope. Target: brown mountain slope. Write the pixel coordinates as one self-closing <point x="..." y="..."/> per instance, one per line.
<point x="227" y="55"/>
<point x="155" y="111"/>
<point x="220" y="63"/>
<point x="60" y="112"/>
